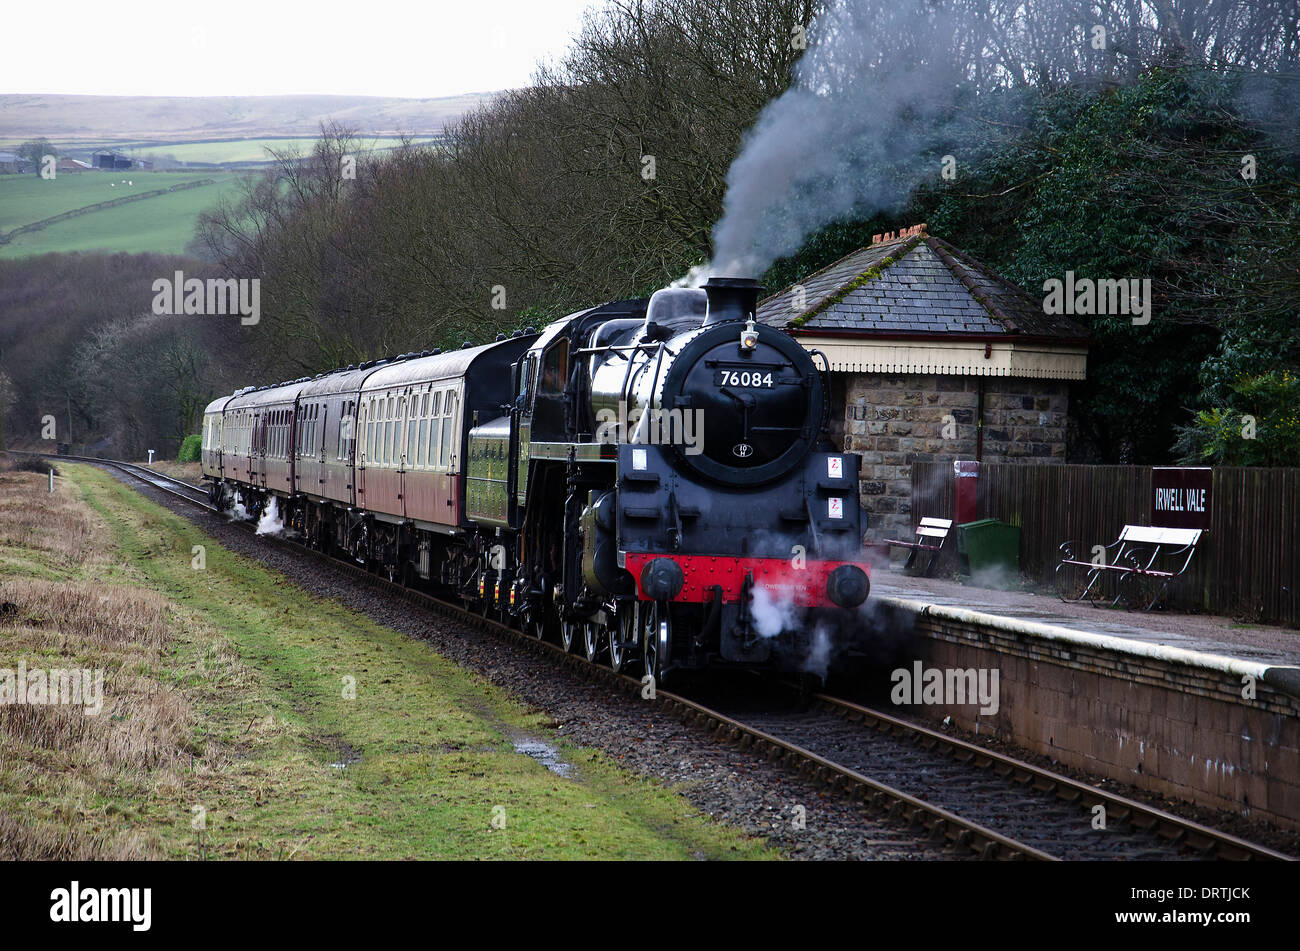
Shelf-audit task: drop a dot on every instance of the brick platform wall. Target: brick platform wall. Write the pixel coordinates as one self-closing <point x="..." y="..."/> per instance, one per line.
<point x="1171" y="728"/>
<point x="893" y="421"/>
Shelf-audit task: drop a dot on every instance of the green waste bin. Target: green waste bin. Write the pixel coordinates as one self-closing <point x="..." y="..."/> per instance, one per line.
<point x="990" y="548"/>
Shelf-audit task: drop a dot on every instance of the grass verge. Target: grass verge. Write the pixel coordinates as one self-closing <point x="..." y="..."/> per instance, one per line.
<point x="245" y="718"/>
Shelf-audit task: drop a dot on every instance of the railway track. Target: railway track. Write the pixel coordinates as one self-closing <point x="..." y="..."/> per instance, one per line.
<point x="1052" y="812"/>
<point x="976" y="801"/>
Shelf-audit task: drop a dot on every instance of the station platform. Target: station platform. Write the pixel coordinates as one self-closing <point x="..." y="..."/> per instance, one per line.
<point x="1191" y="707"/>
<point x="1201" y="633"/>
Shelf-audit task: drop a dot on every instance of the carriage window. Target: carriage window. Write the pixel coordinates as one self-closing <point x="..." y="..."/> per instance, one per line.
<point x="400" y="449"/>
<point x="399" y="429"/>
<point x="343" y="429"/>
<point x="347" y="430"/>
<point x="410" y="430"/>
<point x="448" y="426"/>
<point x="370" y="434"/>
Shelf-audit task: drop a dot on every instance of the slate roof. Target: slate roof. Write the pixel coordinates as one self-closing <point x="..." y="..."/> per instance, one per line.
<point x="930" y="288"/>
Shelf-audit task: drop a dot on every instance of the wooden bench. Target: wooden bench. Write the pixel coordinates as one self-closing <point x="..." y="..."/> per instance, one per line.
<point x="930" y="535"/>
<point x="1142" y="552"/>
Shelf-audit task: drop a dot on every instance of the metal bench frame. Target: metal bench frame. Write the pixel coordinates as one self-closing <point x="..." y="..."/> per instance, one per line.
<point x="1135" y="555"/>
<point x="929" y="528"/>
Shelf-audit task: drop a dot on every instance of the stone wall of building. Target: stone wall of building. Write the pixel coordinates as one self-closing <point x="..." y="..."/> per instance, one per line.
<point x="893" y="421"/>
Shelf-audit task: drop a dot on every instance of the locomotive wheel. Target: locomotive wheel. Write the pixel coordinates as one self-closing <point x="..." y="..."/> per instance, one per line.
<point x="656" y="635"/>
<point x="570" y="634"/>
<point x="533" y="620"/>
<point x="625" y="633"/>
<point x="592" y="635"/>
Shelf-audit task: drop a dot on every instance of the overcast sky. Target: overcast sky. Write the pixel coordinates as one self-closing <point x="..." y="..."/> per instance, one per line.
<point x="277" y="47"/>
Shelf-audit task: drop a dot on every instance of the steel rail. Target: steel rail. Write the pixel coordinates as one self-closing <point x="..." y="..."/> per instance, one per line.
<point x="1175" y="829"/>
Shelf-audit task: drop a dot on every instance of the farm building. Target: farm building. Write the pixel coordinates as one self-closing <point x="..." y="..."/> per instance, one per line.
<point x="73" y="165"/>
<point x="933" y="356"/>
<point x="111" y="160"/>
<point x="11" y="163"/>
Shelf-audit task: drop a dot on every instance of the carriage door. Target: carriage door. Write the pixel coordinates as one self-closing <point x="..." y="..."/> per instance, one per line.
<point x="254" y="438"/>
<point x="218" y="434"/>
<point x="403" y="415"/>
<point x="322" y="429"/>
<point x="365" y="446"/>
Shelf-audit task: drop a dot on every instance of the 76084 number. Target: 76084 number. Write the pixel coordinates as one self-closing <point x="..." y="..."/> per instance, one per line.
<point x="743" y="378"/>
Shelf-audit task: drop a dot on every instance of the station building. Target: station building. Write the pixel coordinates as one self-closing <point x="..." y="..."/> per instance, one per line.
<point x="933" y="356"/>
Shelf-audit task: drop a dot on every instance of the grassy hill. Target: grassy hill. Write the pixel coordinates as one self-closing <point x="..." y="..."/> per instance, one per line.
<point x="97" y="120"/>
<point x="248" y="151"/>
<point x="191" y="137"/>
<point x="161" y="223"/>
<point x="28" y="198"/>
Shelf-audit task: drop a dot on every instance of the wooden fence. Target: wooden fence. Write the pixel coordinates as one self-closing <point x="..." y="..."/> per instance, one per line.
<point x="1247" y="565"/>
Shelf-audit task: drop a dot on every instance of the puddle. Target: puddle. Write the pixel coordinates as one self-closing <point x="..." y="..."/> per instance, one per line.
<point x="348" y="758"/>
<point x="545" y="754"/>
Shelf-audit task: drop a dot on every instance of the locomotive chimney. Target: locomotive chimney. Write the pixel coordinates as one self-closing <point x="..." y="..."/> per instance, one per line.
<point x="731" y="298"/>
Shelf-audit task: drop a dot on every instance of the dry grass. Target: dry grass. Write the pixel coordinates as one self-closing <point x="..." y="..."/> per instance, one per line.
<point x="111" y="628"/>
<point x="191" y="472"/>
<point x="25" y="841"/>
<point x="56" y="759"/>
<point x="59" y="524"/>
<point x="102" y="614"/>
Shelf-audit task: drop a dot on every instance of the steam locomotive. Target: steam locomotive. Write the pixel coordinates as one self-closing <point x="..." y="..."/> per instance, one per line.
<point x="649" y="481"/>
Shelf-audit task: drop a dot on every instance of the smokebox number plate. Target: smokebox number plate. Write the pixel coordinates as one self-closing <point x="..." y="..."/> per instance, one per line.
<point x="743" y="378"/>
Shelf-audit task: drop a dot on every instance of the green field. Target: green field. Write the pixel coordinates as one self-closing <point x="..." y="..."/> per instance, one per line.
<point x="28" y="198"/>
<point x="163" y="223"/>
